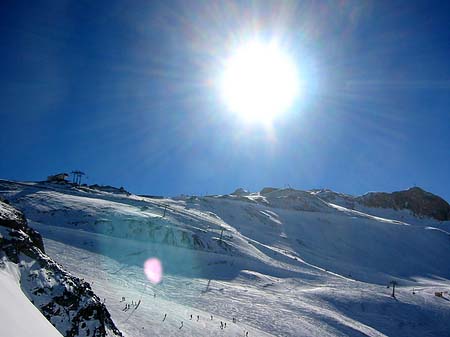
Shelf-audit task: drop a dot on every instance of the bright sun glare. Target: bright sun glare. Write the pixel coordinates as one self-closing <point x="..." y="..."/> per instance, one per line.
<point x="259" y="82"/>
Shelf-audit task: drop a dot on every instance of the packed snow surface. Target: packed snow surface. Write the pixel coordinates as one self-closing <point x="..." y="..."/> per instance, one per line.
<point x="283" y="263"/>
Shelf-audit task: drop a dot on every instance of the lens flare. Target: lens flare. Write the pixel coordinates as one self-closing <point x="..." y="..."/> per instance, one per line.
<point x="153" y="270"/>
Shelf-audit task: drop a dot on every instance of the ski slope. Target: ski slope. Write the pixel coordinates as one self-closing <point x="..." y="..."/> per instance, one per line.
<point x="286" y="263"/>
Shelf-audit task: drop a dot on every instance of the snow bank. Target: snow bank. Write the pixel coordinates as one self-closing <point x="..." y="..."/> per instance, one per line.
<point x="18" y="316"/>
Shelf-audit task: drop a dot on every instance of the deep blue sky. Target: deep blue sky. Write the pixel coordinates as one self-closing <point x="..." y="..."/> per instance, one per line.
<point x="125" y="92"/>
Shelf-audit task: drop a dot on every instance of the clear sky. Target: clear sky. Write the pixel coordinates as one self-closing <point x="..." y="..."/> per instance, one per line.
<point x="125" y="91"/>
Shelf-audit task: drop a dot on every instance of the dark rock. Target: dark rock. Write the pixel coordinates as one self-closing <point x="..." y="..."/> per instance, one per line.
<point x="14" y="219"/>
<point x="266" y="190"/>
<point x="420" y="202"/>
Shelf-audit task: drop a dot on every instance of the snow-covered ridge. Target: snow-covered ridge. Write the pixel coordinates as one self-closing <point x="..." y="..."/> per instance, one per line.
<point x="285" y="262"/>
<point x="277" y="228"/>
<point x="8" y="213"/>
<point x="414" y="204"/>
<point x="66" y="301"/>
<point x="18" y="316"/>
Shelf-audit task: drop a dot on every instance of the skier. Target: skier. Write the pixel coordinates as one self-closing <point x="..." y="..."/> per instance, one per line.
<point x="181" y="325"/>
<point x="246" y="334"/>
<point x="225" y="325"/>
<point x="221" y="325"/>
<point x="198" y="318"/>
<point x="211" y="317"/>
<point x="191" y="317"/>
<point x="165" y="315"/>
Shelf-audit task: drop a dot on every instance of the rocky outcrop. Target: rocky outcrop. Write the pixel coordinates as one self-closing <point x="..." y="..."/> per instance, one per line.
<point x="420" y="202"/>
<point x="266" y="190"/>
<point x="240" y="191"/>
<point x="65" y="300"/>
<point x="110" y="189"/>
<point x="341" y="199"/>
<point x="289" y="198"/>
<point x="13" y="219"/>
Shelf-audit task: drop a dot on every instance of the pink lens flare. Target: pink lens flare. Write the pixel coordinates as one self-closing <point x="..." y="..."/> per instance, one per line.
<point x="153" y="270"/>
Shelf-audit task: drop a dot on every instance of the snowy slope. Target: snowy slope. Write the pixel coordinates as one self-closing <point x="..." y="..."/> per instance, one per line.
<point x="65" y="301"/>
<point x="284" y="262"/>
<point x="19" y="317"/>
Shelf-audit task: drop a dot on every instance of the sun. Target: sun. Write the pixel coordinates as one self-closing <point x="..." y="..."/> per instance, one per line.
<point x="259" y="82"/>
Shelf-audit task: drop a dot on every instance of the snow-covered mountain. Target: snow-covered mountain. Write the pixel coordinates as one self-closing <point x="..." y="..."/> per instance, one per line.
<point x="413" y="205"/>
<point x="280" y="262"/>
<point x="28" y="277"/>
